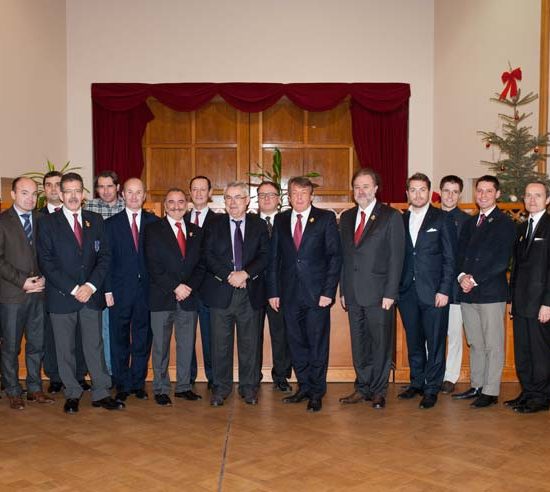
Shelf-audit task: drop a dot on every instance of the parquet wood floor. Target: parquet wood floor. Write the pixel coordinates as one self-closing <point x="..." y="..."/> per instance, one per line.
<point x="274" y="447"/>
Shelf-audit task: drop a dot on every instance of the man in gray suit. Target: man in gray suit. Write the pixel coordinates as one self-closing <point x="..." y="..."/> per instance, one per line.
<point x="21" y="295"/>
<point x="373" y="242"/>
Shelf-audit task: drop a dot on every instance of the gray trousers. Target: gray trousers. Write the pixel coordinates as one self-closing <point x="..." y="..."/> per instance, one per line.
<point x="484" y="326"/>
<point x="162" y="324"/>
<point x="16" y="319"/>
<point x="64" y="331"/>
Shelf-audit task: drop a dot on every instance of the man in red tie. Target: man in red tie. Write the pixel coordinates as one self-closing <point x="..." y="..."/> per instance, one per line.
<point x="373" y="243"/>
<point x="303" y="273"/>
<point x="127" y="294"/>
<point x="173" y="251"/>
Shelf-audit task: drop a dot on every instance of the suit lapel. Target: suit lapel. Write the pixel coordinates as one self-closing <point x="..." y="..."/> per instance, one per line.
<point x="425" y="224"/>
<point x="170" y="237"/>
<point x="66" y="229"/>
<point x="370" y="224"/>
<point x="406" y="221"/>
<point x="18" y="226"/>
<point x="309" y="226"/>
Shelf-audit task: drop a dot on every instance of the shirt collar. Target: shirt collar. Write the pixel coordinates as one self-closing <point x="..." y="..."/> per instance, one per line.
<point x="368" y="210"/>
<point x="19" y="211"/>
<point x="304" y="214"/>
<point x="420" y="211"/>
<point x="489" y="212"/>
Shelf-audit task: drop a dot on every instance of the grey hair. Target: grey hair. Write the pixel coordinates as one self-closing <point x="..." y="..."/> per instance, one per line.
<point x="237" y="184"/>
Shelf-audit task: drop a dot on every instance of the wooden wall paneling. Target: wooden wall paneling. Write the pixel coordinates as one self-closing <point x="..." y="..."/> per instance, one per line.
<point x="216" y="123"/>
<point x="330" y="127"/>
<point x="218" y="163"/>
<point x="169" y="167"/>
<point x="168" y="126"/>
<point x="283" y="123"/>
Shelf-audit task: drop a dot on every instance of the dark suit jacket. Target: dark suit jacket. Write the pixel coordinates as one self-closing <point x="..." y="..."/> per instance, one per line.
<point x="484" y="252"/>
<point x="128" y="268"/>
<point x="168" y="268"/>
<point x="216" y="291"/>
<point x="530" y="280"/>
<point x="312" y="271"/>
<point x="431" y="261"/>
<point x="372" y="269"/>
<point x="65" y="265"/>
<point x="458" y="218"/>
<point x="17" y="257"/>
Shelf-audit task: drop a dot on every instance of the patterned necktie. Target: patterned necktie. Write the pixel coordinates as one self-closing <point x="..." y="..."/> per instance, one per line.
<point x="529" y="235"/>
<point x="27" y="227"/>
<point x="197" y="214"/>
<point x="77" y="228"/>
<point x="482" y="218"/>
<point x="238" y="246"/>
<point x="360" y="229"/>
<point x="298" y="231"/>
<point x="181" y="239"/>
<point x="269" y="224"/>
<point x="135" y="232"/>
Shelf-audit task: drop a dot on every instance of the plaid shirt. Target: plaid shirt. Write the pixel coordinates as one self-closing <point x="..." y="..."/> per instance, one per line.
<point x="98" y="206"/>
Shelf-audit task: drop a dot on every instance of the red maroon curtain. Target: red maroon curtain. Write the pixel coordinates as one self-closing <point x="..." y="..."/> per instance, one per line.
<point x="379" y="119"/>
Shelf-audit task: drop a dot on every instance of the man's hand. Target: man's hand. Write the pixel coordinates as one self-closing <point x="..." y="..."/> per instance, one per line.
<point x="325" y="301"/>
<point x="83" y="293"/>
<point x="109" y="299"/>
<point x="343" y="303"/>
<point x="275" y="303"/>
<point x="238" y="279"/>
<point x="441" y="300"/>
<point x="34" y="284"/>
<point x="182" y="292"/>
<point x="544" y="314"/>
<point x="387" y="303"/>
<point x="467" y="283"/>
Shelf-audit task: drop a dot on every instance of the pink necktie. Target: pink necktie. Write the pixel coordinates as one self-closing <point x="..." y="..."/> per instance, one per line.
<point x="135" y="232"/>
<point x="298" y="231"/>
<point x="181" y="239"/>
<point x="482" y="218"/>
<point x="360" y="229"/>
<point x="197" y="213"/>
<point x="77" y="228"/>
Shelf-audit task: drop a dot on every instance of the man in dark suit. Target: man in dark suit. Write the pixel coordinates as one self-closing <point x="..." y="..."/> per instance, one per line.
<point x="304" y="268"/>
<point x="530" y="283"/>
<point x="373" y="243"/>
<point x="200" y="189"/>
<point x="484" y="252"/>
<point x="451" y="190"/>
<point x="21" y="295"/>
<point x="52" y="192"/>
<point x="236" y="255"/>
<point x="268" y="208"/>
<point x="173" y="252"/>
<point x="127" y="293"/>
<point x="74" y="257"/>
<point x="426" y="284"/>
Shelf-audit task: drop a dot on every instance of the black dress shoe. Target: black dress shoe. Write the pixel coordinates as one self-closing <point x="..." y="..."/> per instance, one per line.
<point x="428" y="401"/>
<point x="216" y="400"/>
<point x="514" y="402"/>
<point x="314" y="405"/>
<point x="468" y="394"/>
<point x="108" y="403"/>
<point x="163" y="400"/>
<point x="378" y="402"/>
<point x="140" y="394"/>
<point x="447" y="387"/>
<point x="409" y="393"/>
<point x="251" y="398"/>
<point x="71" y="405"/>
<point x="84" y="385"/>
<point x="531" y="407"/>
<point x="122" y="396"/>
<point x="188" y="395"/>
<point x="282" y="386"/>
<point x="55" y="387"/>
<point x="210" y="386"/>
<point x="483" y="401"/>
<point x="295" y="398"/>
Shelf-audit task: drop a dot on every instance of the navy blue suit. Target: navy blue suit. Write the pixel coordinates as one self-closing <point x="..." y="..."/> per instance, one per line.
<point x="299" y="278"/>
<point x="428" y="269"/>
<point x="129" y="318"/>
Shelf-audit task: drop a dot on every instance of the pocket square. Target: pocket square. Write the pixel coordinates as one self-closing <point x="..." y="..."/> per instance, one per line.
<point x="538" y="239"/>
<point x="432" y="230"/>
<point x="97" y="245"/>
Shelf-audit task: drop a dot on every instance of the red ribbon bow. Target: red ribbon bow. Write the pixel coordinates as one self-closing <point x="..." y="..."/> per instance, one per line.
<point x="509" y="78"/>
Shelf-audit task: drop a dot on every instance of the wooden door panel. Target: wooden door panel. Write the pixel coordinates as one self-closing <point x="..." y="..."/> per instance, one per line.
<point x="216" y="123"/>
<point x="219" y="164"/>
<point x="283" y="123"/>
<point x="169" y="168"/>
<point x="169" y="126"/>
<point x="330" y="127"/>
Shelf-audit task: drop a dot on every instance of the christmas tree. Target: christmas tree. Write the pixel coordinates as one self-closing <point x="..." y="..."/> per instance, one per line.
<point x="519" y="151"/>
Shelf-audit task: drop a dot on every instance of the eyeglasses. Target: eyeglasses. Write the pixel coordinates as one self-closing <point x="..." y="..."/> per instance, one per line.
<point x="267" y="196"/>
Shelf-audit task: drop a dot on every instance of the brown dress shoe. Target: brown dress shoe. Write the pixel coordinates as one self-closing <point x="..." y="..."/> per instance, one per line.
<point x="355" y="397"/>
<point x="447" y="387"/>
<point x="378" y="402"/>
<point x="40" y="397"/>
<point x="16" y="402"/>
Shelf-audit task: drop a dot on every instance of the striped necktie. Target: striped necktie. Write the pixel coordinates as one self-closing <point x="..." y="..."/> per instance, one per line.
<point x="27" y="226"/>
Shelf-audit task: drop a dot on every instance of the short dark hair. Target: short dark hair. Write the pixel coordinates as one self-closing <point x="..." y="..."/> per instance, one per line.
<point x="107" y="174"/>
<point x="366" y="171"/>
<point x="540" y="182"/>
<point x="200" y="177"/>
<point x="71" y="177"/>
<point x="419" y="177"/>
<point x="300" y="181"/>
<point x="489" y="179"/>
<point x="51" y="174"/>
<point x="451" y="178"/>
<point x="175" y="190"/>
<point x="270" y="183"/>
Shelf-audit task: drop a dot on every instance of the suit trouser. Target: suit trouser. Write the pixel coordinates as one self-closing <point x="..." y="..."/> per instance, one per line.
<point x="453" y="362"/>
<point x="130" y="336"/>
<point x="372" y="336"/>
<point x="183" y="323"/>
<point x="241" y="314"/>
<point x="308" y="334"/>
<point x="484" y="326"/>
<point x="16" y="319"/>
<point x="282" y="366"/>
<point x="204" y="325"/>
<point x="64" y="330"/>
<point x="425" y="330"/>
<point x="532" y="356"/>
<point x="106" y="338"/>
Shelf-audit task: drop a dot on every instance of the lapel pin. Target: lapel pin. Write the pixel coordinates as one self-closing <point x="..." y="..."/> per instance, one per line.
<point x="190" y="234"/>
<point x="373" y="217"/>
<point x="312" y="220"/>
<point x="490" y="219"/>
<point x="86" y="223"/>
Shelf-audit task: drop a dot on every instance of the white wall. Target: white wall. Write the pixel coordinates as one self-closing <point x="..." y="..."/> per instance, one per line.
<point x="250" y="40"/>
<point x="474" y="40"/>
<point x="33" y="121"/>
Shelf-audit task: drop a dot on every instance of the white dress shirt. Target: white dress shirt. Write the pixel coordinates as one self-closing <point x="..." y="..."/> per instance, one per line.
<point x="172" y="223"/>
<point x="368" y="213"/>
<point x="294" y="219"/>
<point x="130" y="215"/>
<point x="202" y="215"/>
<point x="415" y="221"/>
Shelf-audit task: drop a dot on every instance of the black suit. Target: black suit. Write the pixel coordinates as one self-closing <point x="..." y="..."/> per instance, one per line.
<point x="530" y="283"/>
<point x="230" y="306"/>
<point x="428" y="269"/>
<point x="299" y="278"/>
<point x="371" y="272"/>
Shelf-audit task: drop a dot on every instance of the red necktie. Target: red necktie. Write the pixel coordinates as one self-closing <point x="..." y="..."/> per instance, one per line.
<point x="482" y="218"/>
<point x="181" y="239"/>
<point x="135" y="232"/>
<point x="298" y="231"/>
<point x="57" y="209"/>
<point x="197" y="213"/>
<point x="77" y="228"/>
<point x="360" y="229"/>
